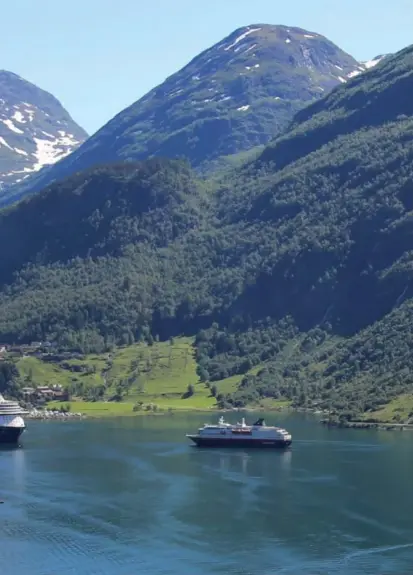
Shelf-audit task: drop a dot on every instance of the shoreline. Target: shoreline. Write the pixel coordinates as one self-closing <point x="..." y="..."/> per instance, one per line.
<point x="380" y="425"/>
<point x="57" y="415"/>
<point x="48" y="414"/>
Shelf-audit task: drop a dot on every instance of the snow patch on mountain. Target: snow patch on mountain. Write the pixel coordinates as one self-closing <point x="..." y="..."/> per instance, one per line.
<point x="372" y="63"/>
<point x="18" y="116"/>
<point x="241" y="37"/>
<point x="367" y="65"/>
<point x="364" y="66"/>
<point x="21" y="152"/>
<point x="12" y="127"/>
<point x="4" y="143"/>
<point x="30" y="113"/>
<point x="251" y="48"/>
<point x="48" y="152"/>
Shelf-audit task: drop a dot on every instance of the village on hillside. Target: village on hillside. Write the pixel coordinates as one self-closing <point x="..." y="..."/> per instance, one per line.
<point x="40" y="350"/>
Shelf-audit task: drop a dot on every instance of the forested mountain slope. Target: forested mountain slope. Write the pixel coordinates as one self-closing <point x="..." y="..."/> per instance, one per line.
<point x="298" y="265"/>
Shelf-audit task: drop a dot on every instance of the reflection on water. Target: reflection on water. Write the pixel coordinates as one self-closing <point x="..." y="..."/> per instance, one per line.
<point x="251" y="463"/>
<point x="15" y="456"/>
<point x="19" y="469"/>
<point x="123" y="497"/>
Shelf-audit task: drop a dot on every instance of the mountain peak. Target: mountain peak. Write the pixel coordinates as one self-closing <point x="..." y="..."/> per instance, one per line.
<point x="236" y="95"/>
<point x="9" y="75"/>
<point x="35" y="130"/>
<point x="242" y="37"/>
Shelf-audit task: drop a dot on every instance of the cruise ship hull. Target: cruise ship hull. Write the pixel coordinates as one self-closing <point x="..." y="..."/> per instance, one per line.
<point x="238" y="442"/>
<point x="10" y="434"/>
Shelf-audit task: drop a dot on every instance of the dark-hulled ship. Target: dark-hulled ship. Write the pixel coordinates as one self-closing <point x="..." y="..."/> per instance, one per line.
<point x="241" y="435"/>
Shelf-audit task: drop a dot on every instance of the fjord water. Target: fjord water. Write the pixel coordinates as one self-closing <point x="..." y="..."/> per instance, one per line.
<point x="126" y="496"/>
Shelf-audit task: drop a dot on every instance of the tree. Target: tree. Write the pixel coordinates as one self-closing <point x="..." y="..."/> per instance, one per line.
<point x="189" y="392"/>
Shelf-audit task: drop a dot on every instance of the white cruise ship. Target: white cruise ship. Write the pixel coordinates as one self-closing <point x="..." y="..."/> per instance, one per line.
<point x="241" y="435"/>
<point x="11" y="421"/>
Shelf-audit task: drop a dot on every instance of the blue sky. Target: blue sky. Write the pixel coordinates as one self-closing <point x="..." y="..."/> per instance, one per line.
<point x="99" y="56"/>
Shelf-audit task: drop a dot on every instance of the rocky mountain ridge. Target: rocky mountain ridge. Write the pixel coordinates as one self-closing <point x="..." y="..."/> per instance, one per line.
<point x="234" y="96"/>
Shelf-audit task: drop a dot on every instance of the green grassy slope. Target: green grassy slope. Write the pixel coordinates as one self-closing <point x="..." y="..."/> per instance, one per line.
<point x="399" y="410"/>
<point x="154" y="377"/>
<point x="149" y="375"/>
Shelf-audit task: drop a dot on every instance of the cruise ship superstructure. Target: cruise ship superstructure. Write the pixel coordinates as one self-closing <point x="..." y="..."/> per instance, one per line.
<point x="11" y="421"/>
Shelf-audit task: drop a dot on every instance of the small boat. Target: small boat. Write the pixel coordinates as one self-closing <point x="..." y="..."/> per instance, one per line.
<point x="241" y="435"/>
<point x="11" y="422"/>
